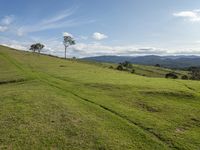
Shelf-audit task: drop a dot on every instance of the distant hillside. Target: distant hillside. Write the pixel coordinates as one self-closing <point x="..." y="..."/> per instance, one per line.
<point x="142" y="70"/>
<point x="164" y="61"/>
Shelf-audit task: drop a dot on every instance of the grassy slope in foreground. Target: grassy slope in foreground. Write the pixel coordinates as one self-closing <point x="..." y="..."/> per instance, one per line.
<point x="47" y="102"/>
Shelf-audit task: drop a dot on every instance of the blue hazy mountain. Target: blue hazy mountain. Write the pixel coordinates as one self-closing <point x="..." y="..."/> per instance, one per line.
<point x="182" y="61"/>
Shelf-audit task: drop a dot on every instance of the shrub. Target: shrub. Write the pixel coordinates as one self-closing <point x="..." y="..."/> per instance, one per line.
<point x="126" y="64"/>
<point x="120" y="67"/>
<point x="157" y="65"/>
<point x="184" y="77"/>
<point x="62" y="65"/>
<point x="171" y="75"/>
<point x="110" y="67"/>
<point x="133" y="71"/>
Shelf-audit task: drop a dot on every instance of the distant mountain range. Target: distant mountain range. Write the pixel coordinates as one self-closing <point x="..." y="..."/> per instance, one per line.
<point x="165" y="61"/>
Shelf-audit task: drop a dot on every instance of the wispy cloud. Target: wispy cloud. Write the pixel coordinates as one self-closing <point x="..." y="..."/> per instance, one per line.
<point x="193" y="15"/>
<point x="60" y="16"/>
<point x="3" y="28"/>
<point x="41" y="27"/>
<point x="5" y="23"/>
<point x="7" y="20"/>
<point x="61" y="20"/>
<point x="53" y="22"/>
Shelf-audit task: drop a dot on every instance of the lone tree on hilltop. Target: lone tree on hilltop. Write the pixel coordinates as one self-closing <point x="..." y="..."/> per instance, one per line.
<point x="33" y="48"/>
<point x="37" y="47"/>
<point x="68" y="40"/>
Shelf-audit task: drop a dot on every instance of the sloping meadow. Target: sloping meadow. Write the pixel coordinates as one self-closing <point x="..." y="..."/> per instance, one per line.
<point x="69" y="104"/>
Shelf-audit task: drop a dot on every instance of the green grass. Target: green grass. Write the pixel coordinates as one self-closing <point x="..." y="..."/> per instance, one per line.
<point x="51" y="103"/>
<point x="148" y="71"/>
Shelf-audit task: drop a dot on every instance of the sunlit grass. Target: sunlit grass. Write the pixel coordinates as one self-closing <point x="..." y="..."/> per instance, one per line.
<point x="69" y="104"/>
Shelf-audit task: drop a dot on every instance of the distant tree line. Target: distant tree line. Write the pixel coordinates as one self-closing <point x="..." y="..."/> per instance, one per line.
<point x="194" y="72"/>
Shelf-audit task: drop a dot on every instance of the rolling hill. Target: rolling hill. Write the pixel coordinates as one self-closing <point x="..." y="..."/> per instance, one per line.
<point x="52" y="103"/>
<point x="151" y="71"/>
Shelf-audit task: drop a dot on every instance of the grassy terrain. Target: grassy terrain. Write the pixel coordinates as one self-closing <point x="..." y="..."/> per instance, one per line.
<point x="51" y="103"/>
<point x="150" y="71"/>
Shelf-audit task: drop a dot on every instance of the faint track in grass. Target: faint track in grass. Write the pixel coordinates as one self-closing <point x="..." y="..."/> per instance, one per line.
<point x="13" y="81"/>
<point x="166" y="142"/>
<point x="188" y="87"/>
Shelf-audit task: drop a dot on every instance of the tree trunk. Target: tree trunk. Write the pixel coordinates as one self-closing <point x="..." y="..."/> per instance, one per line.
<point x="65" y="51"/>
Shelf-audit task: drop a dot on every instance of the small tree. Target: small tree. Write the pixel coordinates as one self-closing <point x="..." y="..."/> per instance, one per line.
<point x="68" y="40"/>
<point x="126" y="64"/>
<point x="33" y="48"/>
<point x="195" y="74"/>
<point x="120" y="67"/>
<point x="157" y="65"/>
<point x="37" y="47"/>
<point x="110" y="67"/>
<point x="184" y="77"/>
<point x="133" y="71"/>
<point x="171" y="75"/>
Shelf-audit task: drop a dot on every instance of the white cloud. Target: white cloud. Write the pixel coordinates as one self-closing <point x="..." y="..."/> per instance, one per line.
<point x="14" y="43"/>
<point x="3" y="28"/>
<point x="193" y="16"/>
<point x="96" y="49"/>
<point x="67" y="34"/>
<point x="54" y="46"/>
<point x="7" y="20"/>
<point x="15" y="46"/>
<point x="5" y="23"/>
<point x="99" y="36"/>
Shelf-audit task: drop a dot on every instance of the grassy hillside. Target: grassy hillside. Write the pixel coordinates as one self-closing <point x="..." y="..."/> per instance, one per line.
<point x="150" y="71"/>
<point x="51" y="103"/>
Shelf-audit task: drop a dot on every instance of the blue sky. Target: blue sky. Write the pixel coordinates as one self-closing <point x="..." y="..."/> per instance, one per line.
<point x="103" y="27"/>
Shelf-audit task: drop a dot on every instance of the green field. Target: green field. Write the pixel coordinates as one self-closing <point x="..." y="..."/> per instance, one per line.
<point x="150" y="71"/>
<point x="52" y="103"/>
